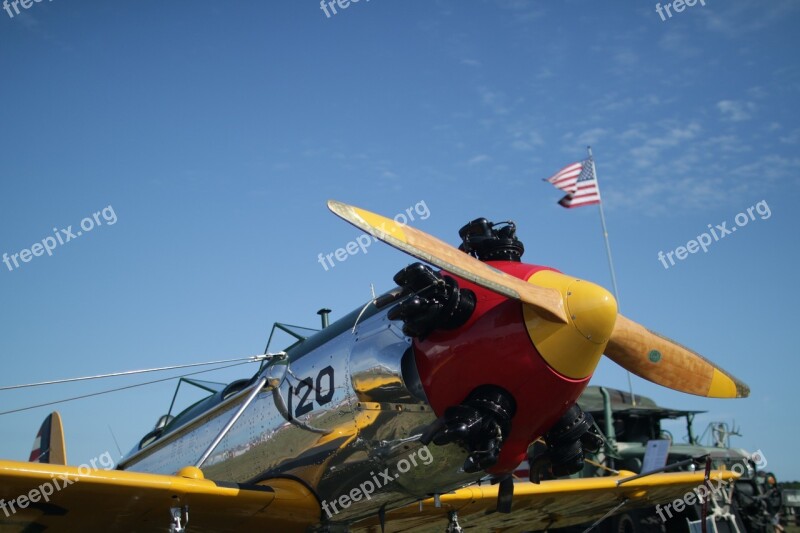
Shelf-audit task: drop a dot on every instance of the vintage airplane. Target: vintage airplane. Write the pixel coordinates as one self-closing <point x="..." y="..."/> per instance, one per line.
<point x="391" y="414"/>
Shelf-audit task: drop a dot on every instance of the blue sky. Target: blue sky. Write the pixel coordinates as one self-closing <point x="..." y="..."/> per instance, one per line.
<point x="216" y="132"/>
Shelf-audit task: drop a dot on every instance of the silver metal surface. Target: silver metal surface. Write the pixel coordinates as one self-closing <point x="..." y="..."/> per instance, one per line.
<point x="254" y="390"/>
<point x="352" y="414"/>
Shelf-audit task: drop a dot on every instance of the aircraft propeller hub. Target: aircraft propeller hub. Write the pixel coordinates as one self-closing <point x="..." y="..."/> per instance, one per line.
<point x="592" y="309"/>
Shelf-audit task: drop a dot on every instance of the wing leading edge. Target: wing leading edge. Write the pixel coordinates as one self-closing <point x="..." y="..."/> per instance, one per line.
<point x="35" y="497"/>
<point x="556" y="503"/>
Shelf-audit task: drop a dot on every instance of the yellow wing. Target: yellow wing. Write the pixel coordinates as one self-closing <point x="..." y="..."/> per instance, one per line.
<point x="35" y="497"/>
<point x="556" y="503"/>
<point x="55" y="498"/>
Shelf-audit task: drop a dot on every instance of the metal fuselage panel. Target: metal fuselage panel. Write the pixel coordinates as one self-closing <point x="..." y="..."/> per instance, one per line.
<point x="348" y="412"/>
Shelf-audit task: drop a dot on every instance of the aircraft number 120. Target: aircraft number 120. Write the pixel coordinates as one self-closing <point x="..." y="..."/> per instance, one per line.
<point x="323" y="382"/>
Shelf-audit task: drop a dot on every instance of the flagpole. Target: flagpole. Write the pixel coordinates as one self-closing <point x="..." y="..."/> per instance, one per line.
<point x="608" y="252"/>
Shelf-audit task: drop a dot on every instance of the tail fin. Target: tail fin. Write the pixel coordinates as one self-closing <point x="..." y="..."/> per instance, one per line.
<point x="49" y="446"/>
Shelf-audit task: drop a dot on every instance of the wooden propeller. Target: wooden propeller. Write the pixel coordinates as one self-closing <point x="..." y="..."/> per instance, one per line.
<point x="547" y="302"/>
<point x="661" y="360"/>
<point x="632" y="346"/>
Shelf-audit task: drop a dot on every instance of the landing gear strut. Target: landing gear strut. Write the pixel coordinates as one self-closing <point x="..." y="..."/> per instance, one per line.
<point x="452" y="524"/>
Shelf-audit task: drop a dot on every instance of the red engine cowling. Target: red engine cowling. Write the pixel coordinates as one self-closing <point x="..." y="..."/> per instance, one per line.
<point x="494" y="347"/>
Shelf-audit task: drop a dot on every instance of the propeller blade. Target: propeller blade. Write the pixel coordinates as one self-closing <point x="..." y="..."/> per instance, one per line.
<point x="663" y="361"/>
<point x="645" y="353"/>
<point x="547" y="302"/>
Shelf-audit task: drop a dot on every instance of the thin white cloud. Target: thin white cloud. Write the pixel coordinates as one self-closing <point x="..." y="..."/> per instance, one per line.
<point x="736" y="110"/>
<point x="626" y="58"/>
<point x="634" y="132"/>
<point x="480" y="158"/>
<point x="674" y="42"/>
<point x="758" y="92"/>
<point x="494" y="100"/>
<point x="592" y="136"/>
<point x="671" y="135"/>
<point x="791" y="138"/>
<point x="743" y="17"/>
<point x="728" y="143"/>
<point x="770" y="167"/>
<point x="525" y="139"/>
<point x="522" y="10"/>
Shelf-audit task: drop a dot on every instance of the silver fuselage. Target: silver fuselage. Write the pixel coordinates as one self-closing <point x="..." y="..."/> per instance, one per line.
<point x="356" y="408"/>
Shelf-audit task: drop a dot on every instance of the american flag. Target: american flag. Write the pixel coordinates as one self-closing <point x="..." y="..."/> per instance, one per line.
<point x="579" y="182"/>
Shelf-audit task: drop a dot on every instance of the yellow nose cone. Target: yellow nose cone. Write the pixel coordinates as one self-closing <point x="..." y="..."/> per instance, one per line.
<point x="592" y="310"/>
<point x="573" y="349"/>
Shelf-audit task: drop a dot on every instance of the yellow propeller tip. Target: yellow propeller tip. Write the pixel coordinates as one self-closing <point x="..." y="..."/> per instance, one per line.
<point x="726" y="386"/>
